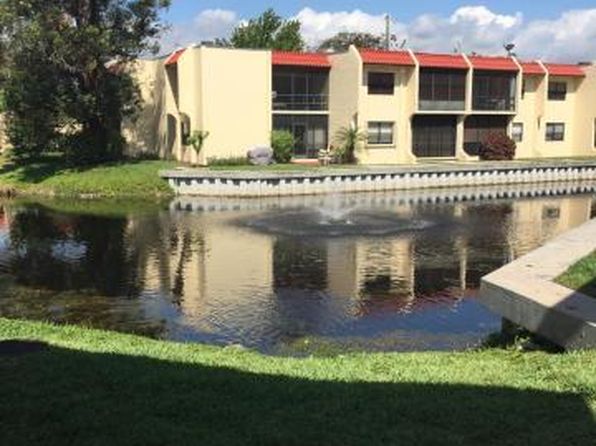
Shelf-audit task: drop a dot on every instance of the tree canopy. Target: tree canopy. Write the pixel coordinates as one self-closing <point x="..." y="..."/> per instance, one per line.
<point x="63" y="72"/>
<point x="268" y="31"/>
<point x="343" y="40"/>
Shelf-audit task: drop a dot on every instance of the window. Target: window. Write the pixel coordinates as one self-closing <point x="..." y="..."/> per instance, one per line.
<point x="494" y="91"/>
<point x="517" y="132"/>
<point x="381" y="83"/>
<point x="442" y="89"/>
<point x="555" y="132"/>
<point x="557" y="91"/>
<point x="380" y="133"/>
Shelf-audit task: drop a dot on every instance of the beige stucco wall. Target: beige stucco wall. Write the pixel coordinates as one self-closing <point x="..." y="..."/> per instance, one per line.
<point x="530" y="110"/>
<point x="396" y="108"/>
<point x="189" y="100"/>
<point x="343" y="92"/>
<point x="585" y="112"/>
<point x="236" y="101"/>
<point x="225" y="92"/>
<point x="560" y="112"/>
<point x="350" y="104"/>
<point x="147" y="132"/>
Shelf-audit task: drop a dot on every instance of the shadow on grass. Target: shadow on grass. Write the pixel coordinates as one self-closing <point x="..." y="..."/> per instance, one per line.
<point x="68" y="397"/>
<point x="589" y="289"/>
<point x="37" y="171"/>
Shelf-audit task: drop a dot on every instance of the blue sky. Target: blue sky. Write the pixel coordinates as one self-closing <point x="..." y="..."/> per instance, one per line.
<point x="549" y="30"/>
<point x="403" y="10"/>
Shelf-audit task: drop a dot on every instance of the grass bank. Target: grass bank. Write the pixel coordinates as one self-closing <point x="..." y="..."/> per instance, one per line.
<point x="581" y="276"/>
<point x="95" y="387"/>
<point x="51" y="178"/>
<point x="283" y="168"/>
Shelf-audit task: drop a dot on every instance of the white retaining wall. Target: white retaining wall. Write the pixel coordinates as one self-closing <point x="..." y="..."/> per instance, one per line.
<point x="253" y="185"/>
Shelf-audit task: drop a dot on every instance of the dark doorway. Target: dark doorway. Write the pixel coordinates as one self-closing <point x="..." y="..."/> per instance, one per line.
<point x="310" y="132"/>
<point x="172" y="130"/>
<point x="300" y="138"/>
<point x="477" y="128"/>
<point x="434" y="136"/>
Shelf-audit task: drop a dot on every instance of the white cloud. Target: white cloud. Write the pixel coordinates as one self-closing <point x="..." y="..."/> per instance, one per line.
<point x="482" y="16"/>
<point x="207" y="25"/>
<point x="475" y="28"/>
<point x="213" y="23"/>
<point x="318" y="26"/>
<point x="570" y="37"/>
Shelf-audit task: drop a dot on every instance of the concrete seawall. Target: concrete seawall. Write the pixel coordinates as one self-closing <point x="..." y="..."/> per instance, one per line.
<point x="525" y="292"/>
<point x="202" y="182"/>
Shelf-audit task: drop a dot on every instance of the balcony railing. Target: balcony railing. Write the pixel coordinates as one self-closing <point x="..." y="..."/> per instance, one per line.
<point x="491" y="103"/>
<point x="431" y="105"/>
<point x="300" y="102"/>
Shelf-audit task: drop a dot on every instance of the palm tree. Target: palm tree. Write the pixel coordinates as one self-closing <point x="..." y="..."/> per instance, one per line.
<point x="348" y="139"/>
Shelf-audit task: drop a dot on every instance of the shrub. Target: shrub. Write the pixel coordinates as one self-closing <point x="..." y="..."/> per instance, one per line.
<point x="197" y="140"/>
<point x="349" y="138"/>
<point x="228" y="161"/>
<point x="497" y="147"/>
<point x="282" y="143"/>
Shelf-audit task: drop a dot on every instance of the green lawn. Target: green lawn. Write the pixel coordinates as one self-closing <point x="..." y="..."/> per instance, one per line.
<point x="95" y="388"/>
<point x="285" y="168"/>
<point x="50" y="177"/>
<point x="581" y="276"/>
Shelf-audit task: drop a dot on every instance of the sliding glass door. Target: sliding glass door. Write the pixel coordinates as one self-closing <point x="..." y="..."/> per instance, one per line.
<point x="310" y="133"/>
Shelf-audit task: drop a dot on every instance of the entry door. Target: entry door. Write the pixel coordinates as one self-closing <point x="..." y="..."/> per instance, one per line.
<point x="434" y="136"/>
<point x="299" y="132"/>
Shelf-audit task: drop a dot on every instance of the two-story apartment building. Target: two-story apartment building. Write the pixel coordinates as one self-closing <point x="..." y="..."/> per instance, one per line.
<point x="411" y="105"/>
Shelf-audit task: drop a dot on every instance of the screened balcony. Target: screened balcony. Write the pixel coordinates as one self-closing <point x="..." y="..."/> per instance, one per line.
<point x="494" y="91"/>
<point x="442" y="90"/>
<point x="300" y="89"/>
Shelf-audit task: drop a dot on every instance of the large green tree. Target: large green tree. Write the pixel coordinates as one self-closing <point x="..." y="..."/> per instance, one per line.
<point x="343" y="40"/>
<point x="268" y="31"/>
<point x="64" y="72"/>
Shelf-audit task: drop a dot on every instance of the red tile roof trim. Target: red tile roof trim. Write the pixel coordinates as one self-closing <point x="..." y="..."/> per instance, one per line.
<point x="532" y="67"/>
<point x="555" y="69"/>
<point x="454" y="61"/>
<point x="288" y="58"/>
<point x="493" y="63"/>
<point x="383" y="57"/>
<point x="174" y="57"/>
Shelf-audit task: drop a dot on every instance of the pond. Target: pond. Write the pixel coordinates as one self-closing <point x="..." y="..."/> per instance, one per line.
<point x="294" y="276"/>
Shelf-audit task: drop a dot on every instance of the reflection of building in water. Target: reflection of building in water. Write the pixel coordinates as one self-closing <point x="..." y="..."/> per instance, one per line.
<point x="375" y="272"/>
<point x="447" y="264"/>
<point x="213" y="270"/>
<point x="221" y="272"/>
<point x="537" y="220"/>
